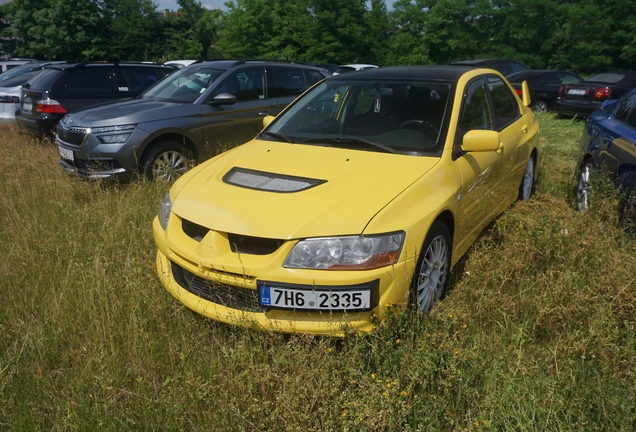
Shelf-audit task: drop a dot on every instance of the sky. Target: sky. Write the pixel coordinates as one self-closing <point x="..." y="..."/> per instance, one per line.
<point x="209" y="4"/>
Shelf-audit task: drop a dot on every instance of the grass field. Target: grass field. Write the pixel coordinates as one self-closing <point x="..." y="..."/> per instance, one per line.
<point x="537" y="332"/>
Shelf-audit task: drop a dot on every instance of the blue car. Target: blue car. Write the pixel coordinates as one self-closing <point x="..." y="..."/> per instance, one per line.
<point x="609" y="142"/>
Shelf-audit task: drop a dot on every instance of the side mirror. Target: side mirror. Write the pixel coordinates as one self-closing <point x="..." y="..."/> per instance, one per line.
<point x="608" y="103"/>
<point x="525" y="93"/>
<point x="481" y="141"/>
<point x="224" y="99"/>
<point x="267" y="120"/>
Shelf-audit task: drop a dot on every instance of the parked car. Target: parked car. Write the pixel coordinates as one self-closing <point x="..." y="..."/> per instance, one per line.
<point x="10" y="94"/>
<point x="544" y="85"/>
<point x="505" y="66"/>
<point x="190" y="116"/>
<point x="585" y="97"/>
<point x="352" y="68"/>
<point x="67" y="88"/>
<point x="6" y="65"/>
<point x="362" y="193"/>
<point x="608" y="145"/>
<point x="27" y="67"/>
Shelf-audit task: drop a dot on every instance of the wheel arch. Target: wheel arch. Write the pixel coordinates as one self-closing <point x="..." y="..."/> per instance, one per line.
<point x="175" y="137"/>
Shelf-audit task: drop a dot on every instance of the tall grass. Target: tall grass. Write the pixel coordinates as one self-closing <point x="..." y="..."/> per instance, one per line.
<point x="537" y="333"/>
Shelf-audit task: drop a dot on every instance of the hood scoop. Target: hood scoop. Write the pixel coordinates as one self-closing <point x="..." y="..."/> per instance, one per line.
<point x="271" y="182"/>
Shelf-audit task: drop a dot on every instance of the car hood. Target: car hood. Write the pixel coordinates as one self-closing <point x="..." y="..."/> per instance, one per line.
<point x="354" y="186"/>
<point x="130" y="111"/>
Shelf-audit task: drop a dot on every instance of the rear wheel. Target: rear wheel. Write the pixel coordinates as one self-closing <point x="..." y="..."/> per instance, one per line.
<point x="527" y="182"/>
<point x="433" y="267"/>
<point x="540" y="106"/>
<point x="166" y="161"/>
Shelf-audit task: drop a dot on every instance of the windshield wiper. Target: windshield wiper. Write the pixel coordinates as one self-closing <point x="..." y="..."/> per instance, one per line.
<point x="279" y="136"/>
<point x="349" y="140"/>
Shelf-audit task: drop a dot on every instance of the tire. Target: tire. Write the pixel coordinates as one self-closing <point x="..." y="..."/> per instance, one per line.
<point x="166" y="161"/>
<point x="433" y="267"/>
<point x="540" y="106"/>
<point x="627" y="207"/>
<point x="583" y="186"/>
<point x="527" y="181"/>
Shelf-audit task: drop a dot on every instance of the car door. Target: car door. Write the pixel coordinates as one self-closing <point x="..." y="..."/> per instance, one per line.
<point x="85" y="88"/>
<point x="617" y="149"/>
<point x="286" y="84"/>
<point x="479" y="171"/>
<point x="225" y="126"/>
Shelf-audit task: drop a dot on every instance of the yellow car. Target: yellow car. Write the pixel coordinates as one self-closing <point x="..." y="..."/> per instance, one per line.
<point x="362" y="193"/>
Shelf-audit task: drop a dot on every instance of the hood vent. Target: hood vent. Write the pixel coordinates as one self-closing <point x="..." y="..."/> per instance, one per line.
<point x="260" y="180"/>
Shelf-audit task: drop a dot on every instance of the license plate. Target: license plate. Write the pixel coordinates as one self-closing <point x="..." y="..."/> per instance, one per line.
<point x="27" y="106"/>
<point x="65" y="154"/>
<point x="316" y="300"/>
<point x="574" y="91"/>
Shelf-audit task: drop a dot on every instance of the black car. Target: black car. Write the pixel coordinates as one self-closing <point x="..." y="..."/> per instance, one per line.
<point x="608" y="144"/>
<point x="584" y="98"/>
<point x="190" y="116"/>
<point x="505" y="66"/>
<point x="544" y="85"/>
<point x="67" y="88"/>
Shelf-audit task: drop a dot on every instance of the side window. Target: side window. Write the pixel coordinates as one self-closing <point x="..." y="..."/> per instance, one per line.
<point x="91" y="81"/>
<point x="139" y="79"/>
<point x="246" y="85"/>
<point x="505" y="105"/>
<point x="476" y="112"/>
<point x="625" y="111"/>
<point x="289" y="82"/>
<point x="312" y="77"/>
<point x="569" y="79"/>
<point x="551" y="79"/>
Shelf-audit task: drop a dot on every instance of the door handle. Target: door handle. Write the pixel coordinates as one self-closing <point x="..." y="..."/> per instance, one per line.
<point x="524" y="128"/>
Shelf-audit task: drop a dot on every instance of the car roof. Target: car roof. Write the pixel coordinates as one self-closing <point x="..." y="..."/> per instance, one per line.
<point x="65" y="66"/>
<point x="628" y="78"/>
<point x="228" y="63"/>
<point x="450" y="73"/>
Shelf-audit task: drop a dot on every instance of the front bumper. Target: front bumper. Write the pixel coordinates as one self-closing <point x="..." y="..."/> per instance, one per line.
<point x="95" y="160"/>
<point x="233" y="299"/>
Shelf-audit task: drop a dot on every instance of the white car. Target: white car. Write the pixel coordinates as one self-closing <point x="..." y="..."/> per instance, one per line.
<point x="10" y="94"/>
<point x="5" y="65"/>
<point x="353" y="67"/>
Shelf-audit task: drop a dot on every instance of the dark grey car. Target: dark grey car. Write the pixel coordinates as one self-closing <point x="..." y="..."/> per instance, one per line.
<point x="188" y="117"/>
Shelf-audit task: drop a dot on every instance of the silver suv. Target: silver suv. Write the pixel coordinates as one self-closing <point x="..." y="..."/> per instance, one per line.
<point x="186" y="118"/>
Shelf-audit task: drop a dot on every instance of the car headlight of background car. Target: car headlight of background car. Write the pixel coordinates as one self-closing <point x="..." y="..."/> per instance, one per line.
<point x="165" y="209"/>
<point x="115" y="138"/>
<point x="346" y="253"/>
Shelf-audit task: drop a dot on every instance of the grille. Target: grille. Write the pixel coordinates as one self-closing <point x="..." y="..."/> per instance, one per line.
<point x="229" y="296"/>
<point x="72" y="135"/>
<point x="253" y="245"/>
<point x="194" y="231"/>
<point x="252" y="179"/>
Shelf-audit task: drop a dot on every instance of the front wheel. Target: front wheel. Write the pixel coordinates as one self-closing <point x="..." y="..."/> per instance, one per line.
<point x="527" y="182"/>
<point x="166" y="161"/>
<point x="583" y="187"/>
<point x="433" y="267"/>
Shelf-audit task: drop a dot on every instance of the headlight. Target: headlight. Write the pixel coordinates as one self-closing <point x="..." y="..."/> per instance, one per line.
<point x="113" y="139"/>
<point x="116" y="128"/>
<point x="346" y="253"/>
<point x="164" y="211"/>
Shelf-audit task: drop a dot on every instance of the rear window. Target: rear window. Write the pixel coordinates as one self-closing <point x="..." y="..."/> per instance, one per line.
<point x="45" y="79"/>
<point x="607" y="77"/>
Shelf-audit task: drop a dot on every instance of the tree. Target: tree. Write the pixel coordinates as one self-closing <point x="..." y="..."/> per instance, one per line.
<point x="192" y="32"/>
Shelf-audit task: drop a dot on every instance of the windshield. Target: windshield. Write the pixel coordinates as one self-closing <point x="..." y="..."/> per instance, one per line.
<point x="184" y="86"/>
<point x="386" y="115"/>
<point x="17" y="71"/>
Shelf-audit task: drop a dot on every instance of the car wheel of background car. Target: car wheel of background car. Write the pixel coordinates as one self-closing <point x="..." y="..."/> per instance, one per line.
<point x="583" y="187"/>
<point x="429" y="280"/>
<point x="527" y="182"/>
<point x="627" y="208"/>
<point x="540" y="106"/>
<point x="166" y="161"/>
